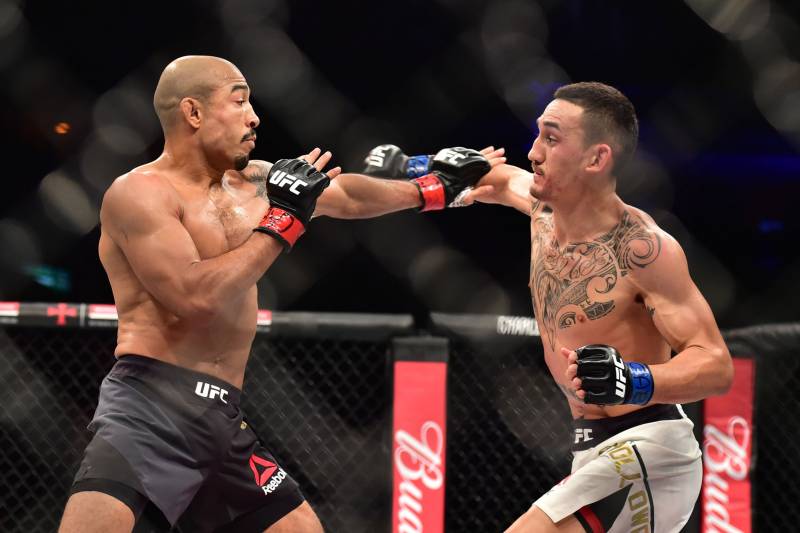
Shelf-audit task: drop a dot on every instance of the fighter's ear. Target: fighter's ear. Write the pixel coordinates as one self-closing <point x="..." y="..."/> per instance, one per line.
<point x="601" y="157"/>
<point x="192" y="111"/>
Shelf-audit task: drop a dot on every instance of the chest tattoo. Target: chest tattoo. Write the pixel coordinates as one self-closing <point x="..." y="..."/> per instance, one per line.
<point x="578" y="278"/>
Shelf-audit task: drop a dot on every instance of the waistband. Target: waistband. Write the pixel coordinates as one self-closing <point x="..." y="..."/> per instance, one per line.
<point x="203" y="385"/>
<point x="589" y="433"/>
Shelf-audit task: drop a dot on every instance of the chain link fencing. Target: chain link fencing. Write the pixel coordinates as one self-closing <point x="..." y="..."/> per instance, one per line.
<point x="318" y="392"/>
<point x="776" y="420"/>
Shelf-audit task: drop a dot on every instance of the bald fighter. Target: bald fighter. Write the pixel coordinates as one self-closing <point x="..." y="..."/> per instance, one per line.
<point x="613" y="299"/>
<point x="183" y="240"/>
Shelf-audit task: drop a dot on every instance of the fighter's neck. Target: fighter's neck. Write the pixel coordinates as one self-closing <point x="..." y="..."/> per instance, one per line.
<point x="587" y="218"/>
<point x="188" y="166"/>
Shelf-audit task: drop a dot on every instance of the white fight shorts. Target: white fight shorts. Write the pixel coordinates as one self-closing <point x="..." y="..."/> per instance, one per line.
<point x="638" y="473"/>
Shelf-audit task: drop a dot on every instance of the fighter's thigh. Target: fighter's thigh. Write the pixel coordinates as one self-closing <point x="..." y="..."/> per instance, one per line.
<point x="303" y="519"/>
<point x="90" y="512"/>
<point x="536" y="521"/>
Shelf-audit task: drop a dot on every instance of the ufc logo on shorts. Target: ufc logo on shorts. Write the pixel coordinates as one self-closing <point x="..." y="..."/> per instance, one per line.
<point x="582" y="435"/>
<point x="621" y="381"/>
<point x="449" y="156"/>
<point x="281" y="179"/>
<point x="204" y="390"/>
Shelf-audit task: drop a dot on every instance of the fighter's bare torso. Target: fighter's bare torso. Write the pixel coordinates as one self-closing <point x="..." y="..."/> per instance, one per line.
<point x="218" y="219"/>
<point x="586" y="293"/>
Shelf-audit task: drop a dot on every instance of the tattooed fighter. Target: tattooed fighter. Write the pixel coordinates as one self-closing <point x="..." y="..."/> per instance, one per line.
<point x="613" y="297"/>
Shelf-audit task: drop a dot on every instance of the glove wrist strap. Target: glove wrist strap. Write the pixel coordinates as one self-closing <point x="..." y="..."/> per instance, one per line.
<point x="417" y="166"/>
<point x="641" y="389"/>
<point x="282" y="225"/>
<point x="431" y="192"/>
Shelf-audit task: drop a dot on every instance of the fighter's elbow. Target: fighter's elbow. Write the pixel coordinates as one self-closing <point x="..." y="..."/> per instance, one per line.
<point x="723" y="370"/>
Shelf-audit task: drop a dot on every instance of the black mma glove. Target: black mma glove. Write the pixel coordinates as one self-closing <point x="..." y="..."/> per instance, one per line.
<point x="454" y="172"/>
<point x="389" y="161"/>
<point x="443" y="179"/>
<point x="293" y="187"/>
<point x="608" y="380"/>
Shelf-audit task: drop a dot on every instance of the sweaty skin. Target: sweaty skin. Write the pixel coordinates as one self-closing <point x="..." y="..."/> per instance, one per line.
<point x="603" y="272"/>
<point x="218" y="220"/>
<point x="207" y="222"/>
<point x="176" y="233"/>
<point x="586" y="292"/>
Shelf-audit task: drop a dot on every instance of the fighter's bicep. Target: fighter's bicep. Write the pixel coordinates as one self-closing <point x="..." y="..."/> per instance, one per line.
<point x="145" y="224"/>
<point x="161" y="257"/>
<point x="683" y="319"/>
<point x="680" y="312"/>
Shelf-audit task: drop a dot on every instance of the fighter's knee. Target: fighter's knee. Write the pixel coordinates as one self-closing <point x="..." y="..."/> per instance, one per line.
<point x="90" y="511"/>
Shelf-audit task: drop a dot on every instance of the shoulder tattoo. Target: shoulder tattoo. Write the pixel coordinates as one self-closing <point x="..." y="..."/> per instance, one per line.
<point x="578" y="278"/>
<point x="256" y="173"/>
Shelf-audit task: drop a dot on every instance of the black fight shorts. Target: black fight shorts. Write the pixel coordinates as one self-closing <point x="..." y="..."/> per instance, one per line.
<point x="175" y="438"/>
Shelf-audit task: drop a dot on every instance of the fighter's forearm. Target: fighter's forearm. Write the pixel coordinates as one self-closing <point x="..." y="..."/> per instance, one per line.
<point x="359" y="196"/>
<point x="693" y="374"/>
<point x="506" y="185"/>
<point x="519" y="186"/>
<point x="211" y="282"/>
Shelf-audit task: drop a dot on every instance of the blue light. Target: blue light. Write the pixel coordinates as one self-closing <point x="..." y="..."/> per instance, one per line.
<point x="770" y="226"/>
<point x="51" y="277"/>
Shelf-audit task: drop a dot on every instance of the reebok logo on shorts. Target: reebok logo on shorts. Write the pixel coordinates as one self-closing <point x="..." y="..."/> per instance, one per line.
<point x="265" y="473"/>
<point x="204" y="390"/>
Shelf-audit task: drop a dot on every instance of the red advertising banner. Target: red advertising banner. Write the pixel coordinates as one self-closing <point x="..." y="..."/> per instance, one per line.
<point x="418" y="449"/>
<point x="727" y="452"/>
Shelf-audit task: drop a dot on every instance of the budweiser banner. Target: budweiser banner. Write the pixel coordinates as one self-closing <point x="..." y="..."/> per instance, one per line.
<point x="418" y="448"/>
<point x="727" y="452"/>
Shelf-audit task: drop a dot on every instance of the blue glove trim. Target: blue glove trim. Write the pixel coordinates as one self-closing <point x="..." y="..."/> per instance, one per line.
<point x="641" y="383"/>
<point x="418" y="166"/>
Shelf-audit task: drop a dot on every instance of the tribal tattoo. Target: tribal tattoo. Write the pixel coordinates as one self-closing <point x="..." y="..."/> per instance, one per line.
<point x="573" y="280"/>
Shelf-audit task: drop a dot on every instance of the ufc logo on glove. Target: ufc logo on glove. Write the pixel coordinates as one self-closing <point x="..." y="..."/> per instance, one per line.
<point x="621" y="381"/>
<point x="377" y="156"/>
<point x="281" y="179"/>
<point x="449" y="156"/>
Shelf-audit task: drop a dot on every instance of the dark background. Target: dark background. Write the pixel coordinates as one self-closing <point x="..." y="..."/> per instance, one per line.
<point x="716" y="86"/>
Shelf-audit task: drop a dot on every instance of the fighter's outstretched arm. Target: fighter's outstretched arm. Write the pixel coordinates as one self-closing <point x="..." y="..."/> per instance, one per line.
<point x="362" y="196"/>
<point x="505" y="185"/>
<point x="141" y="213"/>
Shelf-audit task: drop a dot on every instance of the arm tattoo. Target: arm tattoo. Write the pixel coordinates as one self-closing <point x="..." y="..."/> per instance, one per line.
<point x="576" y="278"/>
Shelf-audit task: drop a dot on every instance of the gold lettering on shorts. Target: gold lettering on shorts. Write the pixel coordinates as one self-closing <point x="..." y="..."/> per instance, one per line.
<point x="640" y="520"/>
<point x="622" y="454"/>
